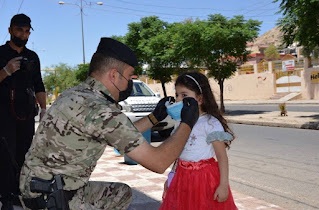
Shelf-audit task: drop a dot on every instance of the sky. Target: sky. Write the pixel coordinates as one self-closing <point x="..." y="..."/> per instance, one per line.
<point x="57" y="35"/>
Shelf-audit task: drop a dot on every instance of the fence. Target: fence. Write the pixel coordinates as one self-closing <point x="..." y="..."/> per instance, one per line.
<point x="262" y="66"/>
<point x="246" y="69"/>
<point x="315" y="62"/>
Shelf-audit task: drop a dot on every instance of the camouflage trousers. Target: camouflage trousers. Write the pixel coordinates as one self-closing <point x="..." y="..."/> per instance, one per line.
<point x="102" y="195"/>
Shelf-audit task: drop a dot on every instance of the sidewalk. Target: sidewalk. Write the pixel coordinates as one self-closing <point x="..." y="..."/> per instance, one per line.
<point x="251" y="102"/>
<point x="148" y="186"/>
<point x="304" y="120"/>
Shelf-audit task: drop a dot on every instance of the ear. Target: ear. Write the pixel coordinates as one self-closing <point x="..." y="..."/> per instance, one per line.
<point x="200" y="99"/>
<point x="9" y="30"/>
<point x="112" y="74"/>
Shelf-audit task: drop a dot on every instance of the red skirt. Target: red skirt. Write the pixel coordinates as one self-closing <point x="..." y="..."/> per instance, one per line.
<point x="193" y="187"/>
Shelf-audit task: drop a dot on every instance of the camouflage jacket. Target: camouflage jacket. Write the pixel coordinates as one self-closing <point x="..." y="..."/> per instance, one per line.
<point x="73" y="134"/>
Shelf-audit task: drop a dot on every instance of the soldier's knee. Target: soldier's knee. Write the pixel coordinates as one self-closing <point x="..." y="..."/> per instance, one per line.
<point x="127" y="190"/>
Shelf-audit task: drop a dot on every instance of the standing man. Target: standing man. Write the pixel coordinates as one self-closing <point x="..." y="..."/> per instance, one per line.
<point x="84" y="120"/>
<point x="20" y="86"/>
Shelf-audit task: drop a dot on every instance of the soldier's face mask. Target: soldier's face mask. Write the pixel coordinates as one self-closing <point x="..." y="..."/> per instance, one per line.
<point x="175" y="110"/>
<point x="124" y="94"/>
<point x="18" y="41"/>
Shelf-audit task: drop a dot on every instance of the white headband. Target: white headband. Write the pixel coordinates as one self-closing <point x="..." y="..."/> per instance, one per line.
<point x="189" y="76"/>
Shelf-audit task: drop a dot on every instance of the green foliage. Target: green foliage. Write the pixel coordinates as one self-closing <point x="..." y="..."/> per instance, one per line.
<point x="118" y="38"/>
<point x="82" y="72"/>
<point x="218" y="44"/>
<point x="282" y="107"/>
<point x="150" y="42"/>
<point x="63" y="77"/>
<point x="300" y="23"/>
<point x="272" y="52"/>
<point x="226" y="44"/>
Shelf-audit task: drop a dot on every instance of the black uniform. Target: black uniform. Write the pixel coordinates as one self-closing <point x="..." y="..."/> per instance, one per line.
<point x="17" y="112"/>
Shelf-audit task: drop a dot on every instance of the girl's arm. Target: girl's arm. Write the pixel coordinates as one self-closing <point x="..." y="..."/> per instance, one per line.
<point x="221" y="193"/>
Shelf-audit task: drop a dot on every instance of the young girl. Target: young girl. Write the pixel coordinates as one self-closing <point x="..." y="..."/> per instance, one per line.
<point x="200" y="182"/>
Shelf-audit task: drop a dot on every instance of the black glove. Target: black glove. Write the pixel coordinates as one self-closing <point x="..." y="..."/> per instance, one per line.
<point x="160" y="110"/>
<point x="190" y="112"/>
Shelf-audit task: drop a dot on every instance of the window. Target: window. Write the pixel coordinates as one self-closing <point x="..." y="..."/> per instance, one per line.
<point x="140" y="89"/>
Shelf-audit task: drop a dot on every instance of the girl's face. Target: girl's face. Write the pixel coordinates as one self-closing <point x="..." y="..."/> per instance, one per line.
<point x="183" y="92"/>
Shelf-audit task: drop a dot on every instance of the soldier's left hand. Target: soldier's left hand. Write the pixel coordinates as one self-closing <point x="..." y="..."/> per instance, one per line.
<point x="160" y="110"/>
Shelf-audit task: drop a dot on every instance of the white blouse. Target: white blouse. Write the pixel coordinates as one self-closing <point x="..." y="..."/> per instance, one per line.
<point x="206" y="130"/>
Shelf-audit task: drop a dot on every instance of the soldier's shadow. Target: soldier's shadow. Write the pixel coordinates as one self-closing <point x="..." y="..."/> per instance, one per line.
<point x="141" y="201"/>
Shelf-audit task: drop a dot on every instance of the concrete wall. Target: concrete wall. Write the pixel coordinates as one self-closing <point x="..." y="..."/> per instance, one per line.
<point x="252" y="86"/>
<point x="309" y="90"/>
<point x="241" y="87"/>
<point x="247" y="87"/>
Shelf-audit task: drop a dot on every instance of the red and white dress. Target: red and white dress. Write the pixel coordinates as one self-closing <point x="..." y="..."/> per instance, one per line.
<point x="197" y="174"/>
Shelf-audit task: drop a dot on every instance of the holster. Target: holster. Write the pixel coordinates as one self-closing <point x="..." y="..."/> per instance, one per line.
<point x="53" y="196"/>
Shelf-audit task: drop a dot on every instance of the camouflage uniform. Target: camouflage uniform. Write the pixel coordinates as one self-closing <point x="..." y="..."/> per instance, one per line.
<point x="72" y="137"/>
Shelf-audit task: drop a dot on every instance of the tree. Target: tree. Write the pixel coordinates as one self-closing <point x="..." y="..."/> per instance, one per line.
<point x="187" y="41"/>
<point x="300" y="23"/>
<point x="272" y="53"/>
<point x="82" y="72"/>
<point x="223" y="46"/>
<point x="63" y="78"/>
<point x="150" y="41"/>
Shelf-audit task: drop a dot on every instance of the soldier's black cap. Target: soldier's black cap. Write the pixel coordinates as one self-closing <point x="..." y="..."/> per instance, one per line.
<point x="20" y="20"/>
<point x="118" y="50"/>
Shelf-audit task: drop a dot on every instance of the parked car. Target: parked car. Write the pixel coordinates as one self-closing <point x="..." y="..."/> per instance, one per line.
<point x="142" y="102"/>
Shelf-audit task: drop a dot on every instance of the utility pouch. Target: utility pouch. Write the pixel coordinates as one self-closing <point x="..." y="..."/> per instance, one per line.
<point x="57" y="198"/>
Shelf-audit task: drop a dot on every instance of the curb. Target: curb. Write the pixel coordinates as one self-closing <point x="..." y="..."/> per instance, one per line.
<point x="310" y="125"/>
<point x="262" y="102"/>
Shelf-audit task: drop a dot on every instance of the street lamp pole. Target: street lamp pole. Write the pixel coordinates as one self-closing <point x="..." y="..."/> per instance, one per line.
<point x="81" y="10"/>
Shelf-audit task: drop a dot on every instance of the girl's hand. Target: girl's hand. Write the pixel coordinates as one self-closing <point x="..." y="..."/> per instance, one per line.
<point x="165" y="189"/>
<point x="221" y="193"/>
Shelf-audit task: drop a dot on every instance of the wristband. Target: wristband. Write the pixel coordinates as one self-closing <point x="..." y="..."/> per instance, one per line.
<point x="152" y="118"/>
<point x="6" y="70"/>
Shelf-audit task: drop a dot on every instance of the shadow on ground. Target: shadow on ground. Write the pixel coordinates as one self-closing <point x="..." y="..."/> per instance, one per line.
<point x="243" y="112"/>
<point x="315" y="116"/>
<point x="143" y="202"/>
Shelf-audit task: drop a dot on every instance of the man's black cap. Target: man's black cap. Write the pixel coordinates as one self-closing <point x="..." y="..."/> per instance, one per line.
<point x="117" y="50"/>
<point x="21" y="20"/>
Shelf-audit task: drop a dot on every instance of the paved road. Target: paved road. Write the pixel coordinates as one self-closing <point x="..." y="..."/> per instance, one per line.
<point x="273" y="107"/>
<point x="277" y="165"/>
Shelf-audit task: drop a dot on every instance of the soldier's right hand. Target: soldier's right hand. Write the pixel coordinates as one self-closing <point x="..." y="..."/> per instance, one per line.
<point x="13" y="65"/>
<point x="190" y="111"/>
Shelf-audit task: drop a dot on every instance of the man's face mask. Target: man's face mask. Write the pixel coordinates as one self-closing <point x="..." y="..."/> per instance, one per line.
<point x="124" y="94"/>
<point x="175" y="110"/>
<point x="19" y="42"/>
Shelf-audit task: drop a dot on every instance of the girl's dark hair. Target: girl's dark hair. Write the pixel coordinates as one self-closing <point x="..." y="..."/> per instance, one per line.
<point x="209" y="104"/>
